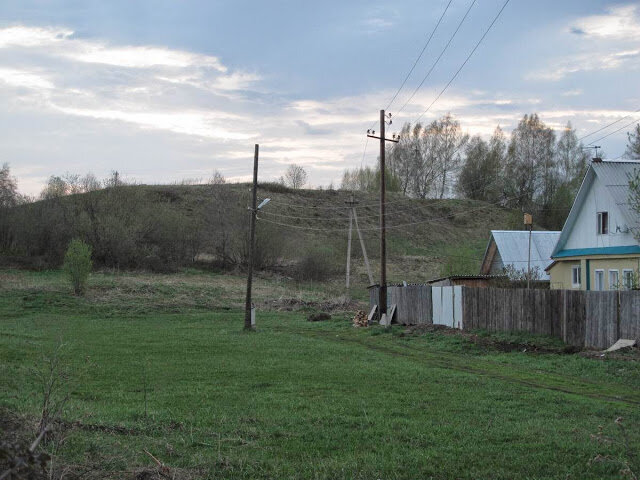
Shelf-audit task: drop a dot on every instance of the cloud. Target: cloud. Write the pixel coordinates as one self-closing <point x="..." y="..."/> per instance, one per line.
<point x="379" y="19"/>
<point x="24" y="79"/>
<point x="189" y="123"/>
<point x="587" y="62"/>
<point x="94" y="79"/>
<point x="606" y="42"/>
<point x="620" y="23"/>
<point x="62" y="43"/>
<point x="22" y="36"/>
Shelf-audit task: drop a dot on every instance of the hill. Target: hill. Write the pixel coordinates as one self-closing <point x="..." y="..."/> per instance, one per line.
<point x="301" y="233"/>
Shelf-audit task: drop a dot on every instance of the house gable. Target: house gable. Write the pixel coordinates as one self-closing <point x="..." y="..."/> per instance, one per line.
<point x="603" y="190"/>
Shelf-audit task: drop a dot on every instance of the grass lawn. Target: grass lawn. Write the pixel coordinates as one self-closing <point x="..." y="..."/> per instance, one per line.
<point x="298" y="399"/>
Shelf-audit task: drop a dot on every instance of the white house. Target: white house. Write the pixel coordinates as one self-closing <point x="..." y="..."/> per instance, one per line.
<point x="598" y="248"/>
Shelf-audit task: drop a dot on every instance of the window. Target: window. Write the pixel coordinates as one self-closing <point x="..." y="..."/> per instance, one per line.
<point x="627" y="279"/>
<point x="599" y="277"/>
<point x="576" y="273"/>
<point x="614" y="280"/>
<point x="603" y="223"/>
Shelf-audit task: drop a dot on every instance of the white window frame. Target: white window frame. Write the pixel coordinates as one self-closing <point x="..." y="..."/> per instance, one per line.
<point x="624" y="280"/>
<point x="614" y="285"/>
<point x="595" y="280"/>
<point x="573" y="269"/>
<point x="600" y="224"/>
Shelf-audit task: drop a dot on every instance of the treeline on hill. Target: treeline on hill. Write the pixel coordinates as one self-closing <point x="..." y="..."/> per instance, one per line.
<point x="136" y="227"/>
<point x="533" y="170"/>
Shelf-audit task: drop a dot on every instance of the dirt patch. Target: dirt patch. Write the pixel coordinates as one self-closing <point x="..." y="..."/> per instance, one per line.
<point x="629" y="354"/>
<point x="340" y="304"/>
<point x="491" y="342"/>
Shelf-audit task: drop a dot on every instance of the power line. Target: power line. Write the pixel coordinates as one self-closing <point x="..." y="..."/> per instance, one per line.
<point x="394" y="226"/>
<point x="607" y="126"/>
<point x="439" y="57"/>
<point x="615" y="131"/>
<point x="420" y="56"/>
<point x="465" y="62"/>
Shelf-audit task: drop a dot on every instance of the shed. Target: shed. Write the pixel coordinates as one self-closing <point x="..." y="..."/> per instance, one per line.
<point x="510" y="247"/>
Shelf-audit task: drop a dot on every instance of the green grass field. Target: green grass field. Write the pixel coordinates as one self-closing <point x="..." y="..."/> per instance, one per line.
<point x="298" y="399"/>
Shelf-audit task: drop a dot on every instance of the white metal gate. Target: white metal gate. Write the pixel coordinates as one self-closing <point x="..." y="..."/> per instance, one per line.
<point x="447" y="306"/>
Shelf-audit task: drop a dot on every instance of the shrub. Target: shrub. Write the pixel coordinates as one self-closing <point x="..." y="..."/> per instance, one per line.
<point x="77" y="264"/>
<point x="315" y="265"/>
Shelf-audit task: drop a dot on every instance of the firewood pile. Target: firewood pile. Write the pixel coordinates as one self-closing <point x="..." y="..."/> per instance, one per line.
<point x="360" y="320"/>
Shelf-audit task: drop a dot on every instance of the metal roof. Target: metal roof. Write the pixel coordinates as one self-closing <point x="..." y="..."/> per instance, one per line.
<point x="513" y="246"/>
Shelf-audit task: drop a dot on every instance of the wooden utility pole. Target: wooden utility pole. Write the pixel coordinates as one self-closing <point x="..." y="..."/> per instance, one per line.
<point x="248" y="324"/>
<point x="350" y="203"/>
<point x="364" y="250"/>
<point x="383" y="232"/>
<point x="528" y="223"/>
<point x="382" y="301"/>
<point x="353" y="218"/>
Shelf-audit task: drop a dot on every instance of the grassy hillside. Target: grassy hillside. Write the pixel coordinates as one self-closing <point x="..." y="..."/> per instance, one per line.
<point x="154" y="226"/>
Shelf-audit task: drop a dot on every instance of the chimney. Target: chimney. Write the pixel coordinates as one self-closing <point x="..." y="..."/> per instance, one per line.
<point x="596" y="160"/>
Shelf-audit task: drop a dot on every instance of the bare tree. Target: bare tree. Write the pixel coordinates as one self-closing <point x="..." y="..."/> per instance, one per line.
<point x="113" y="180"/>
<point x="295" y="176"/>
<point x="449" y="143"/>
<point x="90" y="183"/>
<point x="217" y="179"/>
<point x="8" y="188"/>
<point x="56" y="187"/>
<point x="633" y="147"/>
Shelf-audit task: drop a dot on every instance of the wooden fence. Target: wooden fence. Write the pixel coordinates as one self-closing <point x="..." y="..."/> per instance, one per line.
<point x="586" y="319"/>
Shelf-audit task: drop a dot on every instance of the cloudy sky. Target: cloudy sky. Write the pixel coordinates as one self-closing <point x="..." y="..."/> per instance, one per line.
<point x="162" y="90"/>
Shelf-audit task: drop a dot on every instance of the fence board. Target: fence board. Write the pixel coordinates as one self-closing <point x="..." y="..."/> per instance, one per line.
<point x="630" y="315"/>
<point x="601" y="319"/>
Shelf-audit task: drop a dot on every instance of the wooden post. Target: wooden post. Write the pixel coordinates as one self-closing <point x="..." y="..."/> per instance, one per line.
<point x="252" y="242"/>
<point x="364" y="250"/>
<point x="528" y="222"/>
<point x="383" y="240"/>
<point x="349" y="246"/>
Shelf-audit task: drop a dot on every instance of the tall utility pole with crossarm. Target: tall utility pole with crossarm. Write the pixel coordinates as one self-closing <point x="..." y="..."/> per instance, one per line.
<point x="382" y="302"/>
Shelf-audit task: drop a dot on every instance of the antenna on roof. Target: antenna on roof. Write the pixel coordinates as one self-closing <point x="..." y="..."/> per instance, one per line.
<point x="596" y="158"/>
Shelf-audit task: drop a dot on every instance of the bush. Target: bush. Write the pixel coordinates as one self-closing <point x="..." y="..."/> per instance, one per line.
<point x="77" y="264"/>
<point x="316" y="265"/>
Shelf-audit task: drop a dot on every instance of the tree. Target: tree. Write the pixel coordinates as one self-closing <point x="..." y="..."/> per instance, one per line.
<point x="56" y="187"/>
<point x="8" y="188"/>
<point x="77" y="265"/>
<point x="113" y="180"/>
<point x="530" y="172"/>
<point x="633" y="147"/>
<point x="89" y="183"/>
<point x="571" y="158"/>
<point x="481" y="176"/>
<point x="367" y="179"/>
<point x="634" y="196"/>
<point x="217" y="179"/>
<point x="295" y="176"/>
<point x="473" y="180"/>
<point x="413" y="160"/>
<point x="449" y="143"/>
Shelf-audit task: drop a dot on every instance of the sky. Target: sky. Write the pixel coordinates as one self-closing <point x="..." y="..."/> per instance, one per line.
<point x="165" y="90"/>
